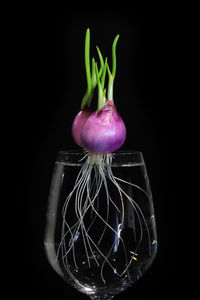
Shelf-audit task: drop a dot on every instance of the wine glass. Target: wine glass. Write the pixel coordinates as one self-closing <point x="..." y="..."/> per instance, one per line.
<point x="100" y="234"/>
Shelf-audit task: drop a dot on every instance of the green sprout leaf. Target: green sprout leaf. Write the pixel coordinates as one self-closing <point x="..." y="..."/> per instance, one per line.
<point x="94" y="81"/>
<point x="104" y="74"/>
<point x="101" y="60"/>
<point x="87" y="68"/>
<point x="97" y="77"/>
<point x="87" y="60"/>
<point x="91" y="78"/>
<point x="100" y="83"/>
<point x="114" y="66"/>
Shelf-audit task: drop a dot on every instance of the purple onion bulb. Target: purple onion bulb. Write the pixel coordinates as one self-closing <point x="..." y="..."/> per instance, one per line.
<point x="78" y="125"/>
<point x="104" y="131"/>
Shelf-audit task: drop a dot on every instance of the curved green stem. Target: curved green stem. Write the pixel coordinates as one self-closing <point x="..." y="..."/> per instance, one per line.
<point x="110" y="84"/>
<point x="91" y="79"/>
<point x="94" y="77"/>
<point x="101" y="60"/>
<point x="114" y="66"/>
<point x="93" y="83"/>
<point x="87" y="68"/>
<point x="87" y="60"/>
<point x="114" y="60"/>
<point x="104" y="74"/>
<point x="100" y="83"/>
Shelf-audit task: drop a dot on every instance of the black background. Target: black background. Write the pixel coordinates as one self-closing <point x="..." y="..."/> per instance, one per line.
<point x="51" y="47"/>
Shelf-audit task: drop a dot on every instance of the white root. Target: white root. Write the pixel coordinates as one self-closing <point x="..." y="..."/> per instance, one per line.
<point x="93" y="177"/>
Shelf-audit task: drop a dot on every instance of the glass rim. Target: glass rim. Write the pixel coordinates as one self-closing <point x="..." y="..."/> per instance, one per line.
<point x="120" y="157"/>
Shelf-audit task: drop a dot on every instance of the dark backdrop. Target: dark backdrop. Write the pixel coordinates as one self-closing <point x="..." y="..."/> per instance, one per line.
<point x="53" y="84"/>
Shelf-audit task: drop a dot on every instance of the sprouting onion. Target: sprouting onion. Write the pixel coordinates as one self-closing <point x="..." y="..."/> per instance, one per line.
<point x="102" y="131"/>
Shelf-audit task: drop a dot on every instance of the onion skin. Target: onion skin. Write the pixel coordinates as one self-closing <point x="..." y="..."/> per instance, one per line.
<point x="79" y="123"/>
<point x="104" y="131"/>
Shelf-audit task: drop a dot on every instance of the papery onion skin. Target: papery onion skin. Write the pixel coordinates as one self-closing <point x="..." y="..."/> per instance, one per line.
<point x="78" y="124"/>
<point x="104" y="131"/>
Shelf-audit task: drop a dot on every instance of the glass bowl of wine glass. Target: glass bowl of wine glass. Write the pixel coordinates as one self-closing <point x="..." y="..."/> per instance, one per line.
<point x="100" y="234"/>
